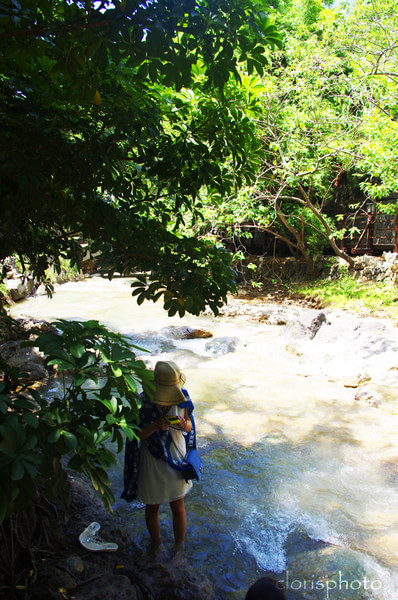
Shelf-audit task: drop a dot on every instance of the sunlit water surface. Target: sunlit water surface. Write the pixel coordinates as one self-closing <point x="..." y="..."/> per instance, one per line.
<point x="300" y="481"/>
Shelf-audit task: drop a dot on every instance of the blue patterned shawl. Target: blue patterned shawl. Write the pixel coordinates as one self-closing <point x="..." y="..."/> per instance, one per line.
<point x="157" y="444"/>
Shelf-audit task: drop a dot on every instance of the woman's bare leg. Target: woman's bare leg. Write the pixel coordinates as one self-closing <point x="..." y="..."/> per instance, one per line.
<point x="152" y="522"/>
<point x="179" y="523"/>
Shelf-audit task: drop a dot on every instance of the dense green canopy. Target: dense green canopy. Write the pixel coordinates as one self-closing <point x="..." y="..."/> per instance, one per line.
<point x="327" y="116"/>
<point x="113" y="117"/>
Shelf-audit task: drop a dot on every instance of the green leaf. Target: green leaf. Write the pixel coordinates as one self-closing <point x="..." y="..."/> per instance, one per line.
<point x="31" y="420"/>
<point x="30" y="443"/>
<point x="87" y="433"/>
<point x="103" y="436"/>
<point x="111" y="405"/>
<point x="54" y="436"/>
<point x="76" y="463"/>
<point x="128" y="431"/>
<point x="33" y="458"/>
<point x="79" y="379"/>
<point x="114" y="404"/>
<point x="61" y="365"/>
<point x="117" y="371"/>
<point x="111" y="420"/>
<point x="141" y="298"/>
<point x="70" y="439"/>
<point x="77" y="349"/>
<point x="130" y="382"/>
<point x="30" y="468"/>
<point x="17" y="470"/>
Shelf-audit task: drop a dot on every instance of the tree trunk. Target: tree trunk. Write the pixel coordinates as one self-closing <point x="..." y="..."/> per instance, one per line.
<point x="300" y="243"/>
<point x="329" y="232"/>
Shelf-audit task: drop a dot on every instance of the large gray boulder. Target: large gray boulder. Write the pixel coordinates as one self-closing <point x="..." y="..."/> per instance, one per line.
<point x="306" y="325"/>
<point x="345" y="346"/>
<point x="28" y="360"/>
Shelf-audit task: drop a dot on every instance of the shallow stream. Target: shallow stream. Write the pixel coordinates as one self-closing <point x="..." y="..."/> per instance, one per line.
<point x="300" y="480"/>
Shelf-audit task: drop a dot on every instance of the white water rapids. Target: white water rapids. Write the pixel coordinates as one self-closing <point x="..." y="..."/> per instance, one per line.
<point x="300" y="481"/>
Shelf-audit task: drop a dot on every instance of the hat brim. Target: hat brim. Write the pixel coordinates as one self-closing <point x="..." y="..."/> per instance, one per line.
<point x="169" y="395"/>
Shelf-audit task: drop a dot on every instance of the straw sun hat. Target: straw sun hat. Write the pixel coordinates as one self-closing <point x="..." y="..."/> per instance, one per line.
<point x="169" y="381"/>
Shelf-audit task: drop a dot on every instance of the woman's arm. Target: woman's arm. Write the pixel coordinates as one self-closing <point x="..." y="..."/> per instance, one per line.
<point x="148" y="430"/>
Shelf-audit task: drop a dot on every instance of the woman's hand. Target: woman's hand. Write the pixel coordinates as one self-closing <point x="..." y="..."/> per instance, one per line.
<point x="182" y="422"/>
<point x="162" y="423"/>
<point x="185" y="424"/>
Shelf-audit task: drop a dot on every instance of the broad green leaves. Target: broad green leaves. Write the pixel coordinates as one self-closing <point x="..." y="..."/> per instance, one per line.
<point x="97" y="403"/>
<point x="380" y="153"/>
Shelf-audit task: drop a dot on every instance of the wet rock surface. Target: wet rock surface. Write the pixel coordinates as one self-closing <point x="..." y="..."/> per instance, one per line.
<point x="224" y="345"/>
<point x="186" y="333"/>
<point x="359" y="351"/>
<point x="28" y="360"/>
<point x="70" y="571"/>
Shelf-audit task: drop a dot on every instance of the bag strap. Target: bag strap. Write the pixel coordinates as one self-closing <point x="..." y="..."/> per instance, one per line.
<point x="190" y="437"/>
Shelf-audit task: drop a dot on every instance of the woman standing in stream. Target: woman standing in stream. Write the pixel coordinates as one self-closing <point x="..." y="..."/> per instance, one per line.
<point x="148" y="475"/>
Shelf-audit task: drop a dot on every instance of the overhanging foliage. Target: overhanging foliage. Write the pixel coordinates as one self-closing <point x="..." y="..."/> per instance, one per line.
<point x="97" y="401"/>
<point x="100" y="143"/>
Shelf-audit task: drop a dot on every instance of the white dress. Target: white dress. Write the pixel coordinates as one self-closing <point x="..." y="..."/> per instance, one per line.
<point x="157" y="481"/>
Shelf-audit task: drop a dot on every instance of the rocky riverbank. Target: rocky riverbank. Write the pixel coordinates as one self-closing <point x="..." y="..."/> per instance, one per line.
<point x="361" y="350"/>
<point x="68" y="571"/>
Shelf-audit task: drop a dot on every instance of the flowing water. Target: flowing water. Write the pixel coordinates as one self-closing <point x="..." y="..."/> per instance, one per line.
<point x="300" y="480"/>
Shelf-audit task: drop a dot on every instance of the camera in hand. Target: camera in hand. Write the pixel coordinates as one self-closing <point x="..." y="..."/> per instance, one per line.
<point x="173" y="420"/>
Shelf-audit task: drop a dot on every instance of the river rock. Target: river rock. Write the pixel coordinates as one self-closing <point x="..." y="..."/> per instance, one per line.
<point x="186" y="333"/>
<point x="307" y="325"/>
<point x="224" y="345"/>
<point x="272" y="314"/>
<point x="28" y="360"/>
<point x="52" y="578"/>
<point x="22" y="328"/>
<point x="75" y="565"/>
<point x="280" y="317"/>
<point x="97" y="581"/>
<point x="355" y="381"/>
<point x="107" y="587"/>
<point x="347" y="347"/>
<point x="371" y="395"/>
<point x="167" y="582"/>
<point x="16" y="290"/>
<point x="19" y="288"/>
